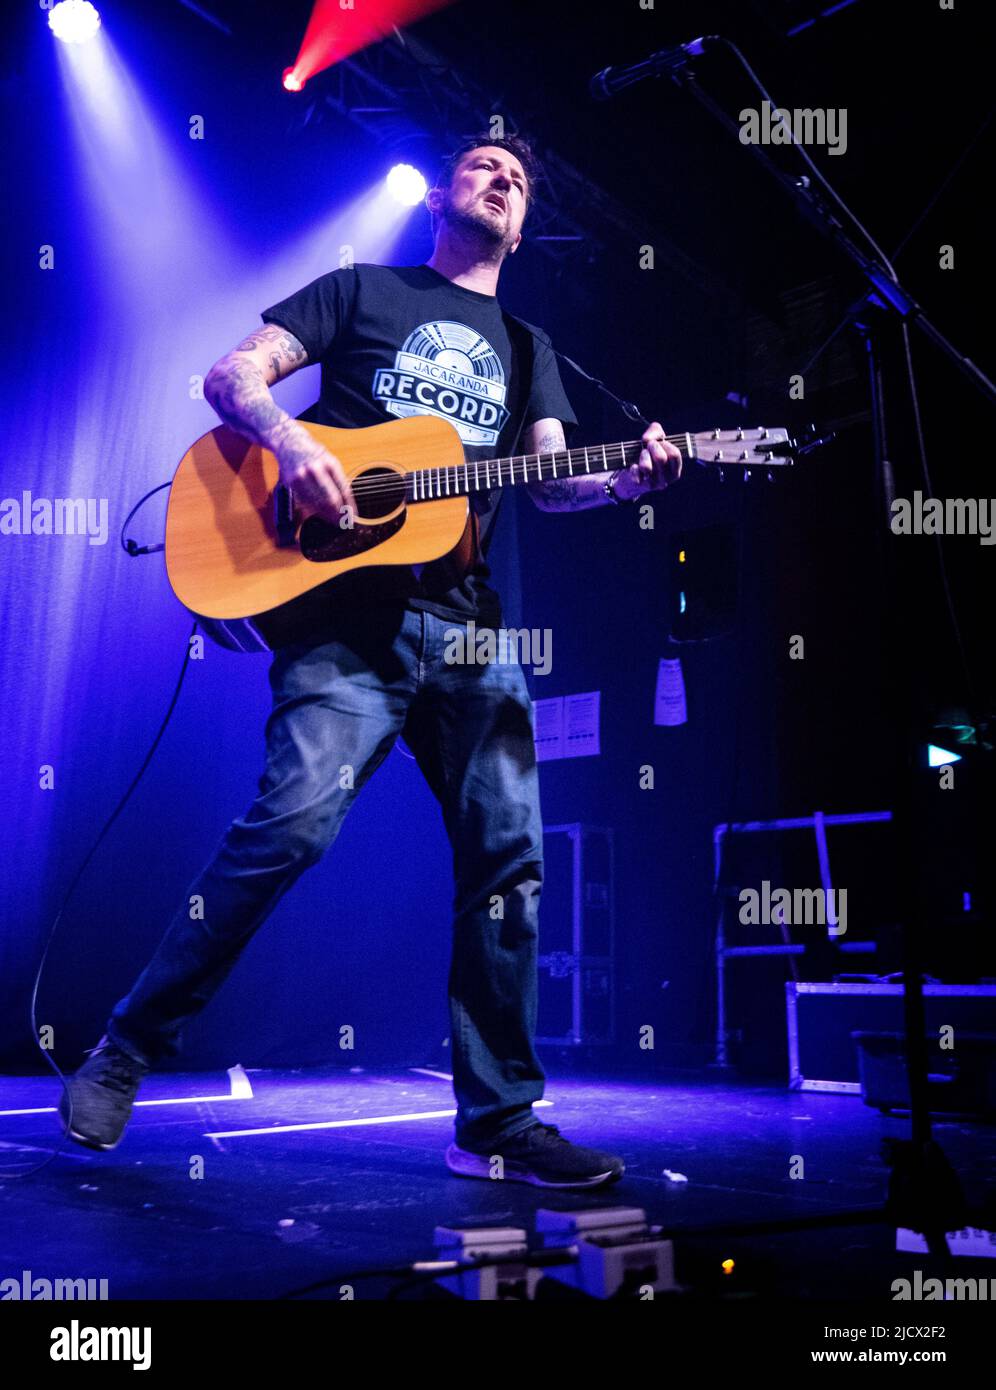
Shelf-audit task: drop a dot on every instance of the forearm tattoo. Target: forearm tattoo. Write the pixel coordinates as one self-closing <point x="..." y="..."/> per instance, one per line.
<point x="569" y="494"/>
<point x="237" y="388"/>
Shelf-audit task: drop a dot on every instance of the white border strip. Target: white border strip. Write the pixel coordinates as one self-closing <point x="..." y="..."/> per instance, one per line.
<point x="241" y="1090"/>
<point x="330" y="1124"/>
<point x="339" y="1124"/>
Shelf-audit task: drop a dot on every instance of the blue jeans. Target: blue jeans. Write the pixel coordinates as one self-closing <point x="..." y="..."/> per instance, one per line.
<point x="344" y="701"/>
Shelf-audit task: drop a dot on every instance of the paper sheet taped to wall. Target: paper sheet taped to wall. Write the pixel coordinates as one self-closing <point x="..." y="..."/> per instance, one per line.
<point x="567" y="726"/>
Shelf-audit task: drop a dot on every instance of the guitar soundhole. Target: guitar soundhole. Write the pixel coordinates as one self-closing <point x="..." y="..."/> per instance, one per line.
<point x="378" y="492"/>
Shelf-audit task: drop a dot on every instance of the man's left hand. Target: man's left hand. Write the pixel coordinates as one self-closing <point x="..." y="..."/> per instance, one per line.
<point x="658" y="466"/>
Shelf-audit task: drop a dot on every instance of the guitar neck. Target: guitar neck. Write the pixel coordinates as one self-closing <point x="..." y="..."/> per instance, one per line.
<point x="484" y="475"/>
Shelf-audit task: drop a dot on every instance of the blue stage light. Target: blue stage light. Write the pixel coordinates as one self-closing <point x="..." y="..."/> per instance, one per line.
<point x="73" y="21"/>
<point x="406" y="184"/>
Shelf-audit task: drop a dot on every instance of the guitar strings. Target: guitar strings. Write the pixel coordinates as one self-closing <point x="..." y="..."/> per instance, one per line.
<point x="617" y="453"/>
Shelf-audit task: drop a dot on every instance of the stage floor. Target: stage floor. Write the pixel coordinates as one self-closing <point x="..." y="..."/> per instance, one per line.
<point x="327" y="1173"/>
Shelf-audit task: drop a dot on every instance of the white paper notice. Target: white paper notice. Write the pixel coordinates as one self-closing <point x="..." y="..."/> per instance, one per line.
<point x="549" y="728"/>
<point x="669" y="702"/>
<point x="581" y="724"/>
<point x="567" y="726"/>
<point x="971" y="1240"/>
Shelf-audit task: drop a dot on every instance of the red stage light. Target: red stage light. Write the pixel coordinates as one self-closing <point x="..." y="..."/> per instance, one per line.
<point x="334" y="33"/>
<point x="292" y="81"/>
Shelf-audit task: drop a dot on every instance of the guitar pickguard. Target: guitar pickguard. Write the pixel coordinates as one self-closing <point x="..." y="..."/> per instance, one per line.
<point x="379" y="491"/>
<point x="323" y="540"/>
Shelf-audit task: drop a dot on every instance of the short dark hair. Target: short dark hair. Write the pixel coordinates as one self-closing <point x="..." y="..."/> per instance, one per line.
<point x="514" y="144"/>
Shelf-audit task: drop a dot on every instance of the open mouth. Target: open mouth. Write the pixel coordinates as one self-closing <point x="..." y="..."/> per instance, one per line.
<point x="496" y="201"/>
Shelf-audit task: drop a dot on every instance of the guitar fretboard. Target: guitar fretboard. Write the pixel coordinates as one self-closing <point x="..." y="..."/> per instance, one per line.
<point x="482" y="475"/>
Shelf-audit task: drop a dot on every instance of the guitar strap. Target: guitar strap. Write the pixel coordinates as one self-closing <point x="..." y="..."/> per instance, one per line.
<point x="453" y="567"/>
<point x="524" y="358"/>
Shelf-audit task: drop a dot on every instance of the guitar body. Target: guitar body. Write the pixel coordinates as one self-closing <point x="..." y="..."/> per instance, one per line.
<point x="249" y="580"/>
<point x="258" y="574"/>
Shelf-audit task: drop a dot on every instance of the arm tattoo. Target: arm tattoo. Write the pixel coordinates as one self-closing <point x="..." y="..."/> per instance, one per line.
<point x="568" y="494"/>
<point x="288" y="351"/>
<point x="237" y="388"/>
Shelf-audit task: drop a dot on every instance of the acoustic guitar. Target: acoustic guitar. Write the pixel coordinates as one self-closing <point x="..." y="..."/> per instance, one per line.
<point x="245" y="560"/>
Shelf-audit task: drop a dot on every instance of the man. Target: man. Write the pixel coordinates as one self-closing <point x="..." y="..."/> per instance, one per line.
<point x="395" y="341"/>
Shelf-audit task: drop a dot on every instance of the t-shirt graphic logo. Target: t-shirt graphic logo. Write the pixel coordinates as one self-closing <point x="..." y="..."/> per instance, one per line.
<point x="447" y="369"/>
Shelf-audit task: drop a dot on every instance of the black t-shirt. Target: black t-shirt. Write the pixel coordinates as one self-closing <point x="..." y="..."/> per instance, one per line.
<point x="395" y="341"/>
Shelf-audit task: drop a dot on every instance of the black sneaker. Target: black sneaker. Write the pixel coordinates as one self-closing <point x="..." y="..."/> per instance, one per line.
<point x="539" y="1155"/>
<point x="103" y="1092"/>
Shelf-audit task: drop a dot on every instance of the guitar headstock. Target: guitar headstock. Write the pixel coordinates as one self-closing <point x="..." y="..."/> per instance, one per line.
<point x="743" y="448"/>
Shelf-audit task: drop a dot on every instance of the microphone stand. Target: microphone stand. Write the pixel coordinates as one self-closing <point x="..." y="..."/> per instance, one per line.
<point x="924" y="1192"/>
<point x="816" y="210"/>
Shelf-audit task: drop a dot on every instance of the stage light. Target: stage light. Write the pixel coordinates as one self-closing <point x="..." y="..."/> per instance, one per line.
<point x="336" y="30"/>
<point x="73" y="21"/>
<point x="940" y="757"/>
<point x="406" y="184"/>
<point x="292" y="80"/>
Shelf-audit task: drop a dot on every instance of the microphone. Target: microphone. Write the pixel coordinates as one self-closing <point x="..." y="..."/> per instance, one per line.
<point x="609" y="81"/>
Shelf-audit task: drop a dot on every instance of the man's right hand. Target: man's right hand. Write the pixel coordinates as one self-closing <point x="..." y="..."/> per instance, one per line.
<point x="238" y="388"/>
<point x="315" y="478"/>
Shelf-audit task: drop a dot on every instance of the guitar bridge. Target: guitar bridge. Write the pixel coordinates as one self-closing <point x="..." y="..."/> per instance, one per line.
<point x="284" y="525"/>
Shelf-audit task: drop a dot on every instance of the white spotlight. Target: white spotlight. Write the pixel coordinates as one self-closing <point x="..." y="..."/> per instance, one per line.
<point x="73" y="21"/>
<point x="406" y="184"/>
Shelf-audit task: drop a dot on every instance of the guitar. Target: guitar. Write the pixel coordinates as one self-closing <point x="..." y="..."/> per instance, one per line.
<point x="244" y="560"/>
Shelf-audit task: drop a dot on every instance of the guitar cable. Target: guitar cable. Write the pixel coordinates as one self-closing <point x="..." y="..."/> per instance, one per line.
<point x="131" y="548"/>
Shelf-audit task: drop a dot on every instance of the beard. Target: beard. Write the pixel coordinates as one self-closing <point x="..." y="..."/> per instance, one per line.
<point x="479" y="224"/>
